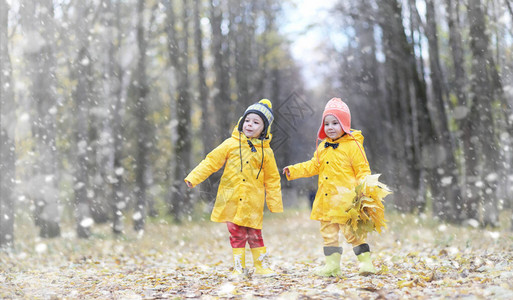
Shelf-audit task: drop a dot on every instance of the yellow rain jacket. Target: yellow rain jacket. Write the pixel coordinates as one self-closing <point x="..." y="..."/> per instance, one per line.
<point x="343" y="167"/>
<point x="241" y="196"/>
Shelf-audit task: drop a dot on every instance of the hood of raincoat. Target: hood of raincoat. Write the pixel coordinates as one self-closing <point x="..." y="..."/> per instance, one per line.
<point x="351" y="136"/>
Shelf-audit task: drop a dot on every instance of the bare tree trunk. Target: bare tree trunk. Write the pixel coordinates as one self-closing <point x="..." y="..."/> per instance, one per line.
<point x="222" y="102"/>
<point x="510" y="9"/>
<point x="241" y="35"/>
<point x="207" y="117"/>
<point x="368" y="88"/>
<point x="91" y="102"/>
<point x="180" y="196"/>
<point x="483" y="91"/>
<point x="401" y="78"/>
<point x="269" y="79"/>
<point x="82" y="203"/>
<point x="99" y="135"/>
<point x="503" y="112"/>
<point x="262" y="51"/>
<point x="115" y="77"/>
<point x="41" y="69"/>
<point x="221" y="52"/>
<point x="202" y="84"/>
<point x="82" y="97"/>
<point x="140" y="94"/>
<point x="416" y="32"/>
<point x="119" y="203"/>
<point x="7" y="136"/>
<point x="101" y="130"/>
<point x="461" y="112"/>
<point x="444" y="179"/>
<point x="417" y="26"/>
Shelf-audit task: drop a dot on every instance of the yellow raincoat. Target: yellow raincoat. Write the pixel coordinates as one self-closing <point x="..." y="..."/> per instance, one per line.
<point x="241" y="196"/>
<point x="341" y="167"/>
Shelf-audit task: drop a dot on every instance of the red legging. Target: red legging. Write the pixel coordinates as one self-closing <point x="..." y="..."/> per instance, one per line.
<point x="240" y="234"/>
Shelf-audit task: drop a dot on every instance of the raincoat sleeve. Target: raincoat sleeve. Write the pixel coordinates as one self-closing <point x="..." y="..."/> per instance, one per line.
<point x="359" y="161"/>
<point x="272" y="184"/>
<point x="211" y="164"/>
<point x="305" y="169"/>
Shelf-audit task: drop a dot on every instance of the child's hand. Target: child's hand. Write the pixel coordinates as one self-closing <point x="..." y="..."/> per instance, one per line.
<point x="188" y="184"/>
<point x="286" y="171"/>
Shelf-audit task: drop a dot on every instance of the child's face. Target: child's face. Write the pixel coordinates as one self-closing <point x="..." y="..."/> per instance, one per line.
<point x="332" y="127"/>
<point x="253" y="126"/>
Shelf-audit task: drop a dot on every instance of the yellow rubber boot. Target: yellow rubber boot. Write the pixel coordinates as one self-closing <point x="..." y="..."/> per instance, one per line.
<point x="239" y="261"/>
<point x="366" y="266"/>
<point x="260" y="262"/>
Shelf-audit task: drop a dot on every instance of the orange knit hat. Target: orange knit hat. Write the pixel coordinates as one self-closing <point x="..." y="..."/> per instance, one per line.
<point x="340" y="110"/>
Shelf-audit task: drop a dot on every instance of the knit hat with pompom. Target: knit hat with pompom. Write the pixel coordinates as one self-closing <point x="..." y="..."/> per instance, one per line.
<point x="263" y="108"/>
<point x="339" y="110"/>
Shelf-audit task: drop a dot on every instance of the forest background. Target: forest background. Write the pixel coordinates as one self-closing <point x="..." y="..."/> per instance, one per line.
<point x="107" y="105"/>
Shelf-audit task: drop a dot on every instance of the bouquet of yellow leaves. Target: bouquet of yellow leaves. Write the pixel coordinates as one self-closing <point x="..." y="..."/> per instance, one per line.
<point x="361" y="208"/>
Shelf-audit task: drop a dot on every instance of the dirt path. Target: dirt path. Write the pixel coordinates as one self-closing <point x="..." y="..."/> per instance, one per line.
<point x="417" y="258"/>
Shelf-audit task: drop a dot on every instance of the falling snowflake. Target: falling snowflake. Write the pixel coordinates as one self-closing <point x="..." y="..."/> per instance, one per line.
<point x="494" y="234"/>
<point x="87" y="222"/>
<point x="41" y="248"/>
<point x="137" y="216"/>
<point x="446" y="181"/>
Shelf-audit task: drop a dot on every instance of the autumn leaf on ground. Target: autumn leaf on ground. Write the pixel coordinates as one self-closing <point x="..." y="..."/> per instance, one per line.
<point x="414" y="259"/>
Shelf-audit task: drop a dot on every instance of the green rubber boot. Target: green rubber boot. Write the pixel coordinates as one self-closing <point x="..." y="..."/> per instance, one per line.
<point x="366" y="266"/>
<point x="332" y="266"/>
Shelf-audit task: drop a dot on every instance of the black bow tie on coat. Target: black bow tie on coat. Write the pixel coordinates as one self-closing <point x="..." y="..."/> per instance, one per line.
<point x="328" y="144"/>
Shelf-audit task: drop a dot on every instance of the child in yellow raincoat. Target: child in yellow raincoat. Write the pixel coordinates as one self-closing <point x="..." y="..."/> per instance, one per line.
<point x="250" y="178"/>
<point x="340" y="162"/>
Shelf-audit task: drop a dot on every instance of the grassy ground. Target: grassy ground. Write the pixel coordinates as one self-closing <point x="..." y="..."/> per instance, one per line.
<point x="416" y="258"/>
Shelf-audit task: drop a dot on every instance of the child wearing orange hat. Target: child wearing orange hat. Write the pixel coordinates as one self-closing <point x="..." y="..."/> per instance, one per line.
<point x="340" y="162"/>
<point x="250" y="179"/>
